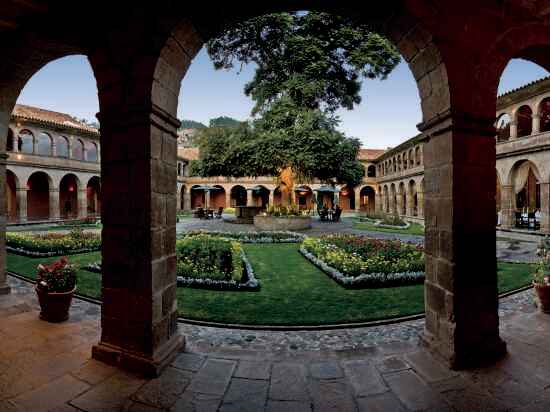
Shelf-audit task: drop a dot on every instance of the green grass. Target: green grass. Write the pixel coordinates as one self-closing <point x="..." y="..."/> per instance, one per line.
<point x="293" y="291"/>
<point x="88" y="283"/>
<point x="414" y="228"/>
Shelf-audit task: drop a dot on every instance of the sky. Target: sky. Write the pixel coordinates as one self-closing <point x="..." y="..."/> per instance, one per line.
<point x="387" y="115"/>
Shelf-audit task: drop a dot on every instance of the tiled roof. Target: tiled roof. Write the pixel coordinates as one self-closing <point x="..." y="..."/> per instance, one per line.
<point x="369" y="154"/>
<point x="49" y="117"/>
<point x="525" y="86"/>
<point x="189" y="153"/>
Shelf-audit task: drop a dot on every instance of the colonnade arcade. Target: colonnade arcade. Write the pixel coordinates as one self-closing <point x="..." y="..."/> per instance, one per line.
<point x="530" y="118"/>
<point x="225" y="195"/>
<point x="404" y="198"/>
<point x="34" y="194"/>
<point x="139" y="60"/>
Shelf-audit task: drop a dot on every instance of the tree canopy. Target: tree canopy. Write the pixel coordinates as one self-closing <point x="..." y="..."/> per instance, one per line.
<point x="308" y="66"/>
<point x="224" y="121"/>
<point x="191" y="124"/>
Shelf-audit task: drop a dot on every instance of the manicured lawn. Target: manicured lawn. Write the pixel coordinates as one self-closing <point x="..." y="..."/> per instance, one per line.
<point x="88" y="284"/>
<point x="414" y="228"/>
<point x="293" y="291"/>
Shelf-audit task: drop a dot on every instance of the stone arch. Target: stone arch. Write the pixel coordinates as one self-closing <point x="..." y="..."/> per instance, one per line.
<point x="182" y="195"/>
<point x="77" y="149"/>
<point x="38" y="196"/>
<point x="524" y="120"/>
<point x="402" y="199"/>
<point x="367" y="199"/>
<point x="92" y="152"/>
<point x="386" y="199"/>
<point x="304" y="197"/>
<point x="44" y="144"/>
<point x="393" y="199"/>
<point x="25" y="141"/>
<point x="525" y="179"/>
<point x="69" y="187"/>
<point x="347" y="198"/>
<point x="543" y="109"/>
<point x="238" y="196"/>
<point x="93" y="196"/>
<point x="217" y="197"/>
<point x="260" y="195"/>
<point x="12" y="186"/>
<point x="413" y="198"/>
<point x="62" y="146"/>
<point x="371" y="171"/>
<point x="198" y="197"/>
<point x="502" y="125"/>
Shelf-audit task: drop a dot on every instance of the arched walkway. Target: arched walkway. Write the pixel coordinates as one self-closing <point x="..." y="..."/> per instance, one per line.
<point x="93" y="197"/>
<point x="347" y="198"/>
<point x="238" y="196"/>
<point x="217" y="197"/>
<point x="68" y="196"/>
<point x="12" y="184"/>
<point x="367" y="199"/>
<point x="260" y="196"/>
<point x="304" y="197"/>
<point x="38" y="196"/>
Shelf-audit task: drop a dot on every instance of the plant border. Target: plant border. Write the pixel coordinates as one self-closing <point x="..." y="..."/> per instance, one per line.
<point x="365" y="280"/>
<point x="35" y="254"/>
<point x="243" y="237"/>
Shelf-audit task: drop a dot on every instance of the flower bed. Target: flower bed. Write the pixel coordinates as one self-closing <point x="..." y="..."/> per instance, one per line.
<point x="363" y="262"/>
<point x="212" y="262"/>
<point x="254" y="237"/>
<point x="52" y="243"/>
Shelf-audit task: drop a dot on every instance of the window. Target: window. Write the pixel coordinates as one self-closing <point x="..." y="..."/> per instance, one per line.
<point x="78" y="150"/>
<point x="503" y="127"/>
<point x="62" y="146"/>
<point x="25" y="141"/>
<point x="91" y="152"/>
<point x="44" y="144"/>
<point x="525" y="121"/>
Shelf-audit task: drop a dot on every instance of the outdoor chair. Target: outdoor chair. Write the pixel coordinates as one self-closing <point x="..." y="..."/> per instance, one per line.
<point x="219" y="213"/>
<point x="336" y="215"/>
<point x="200" y="213"/>
<point x="519" y="220"/>
<point x="532" y="221"/>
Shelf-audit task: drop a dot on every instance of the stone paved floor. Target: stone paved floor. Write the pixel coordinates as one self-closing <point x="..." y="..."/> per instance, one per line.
<point x="48" y="367"/>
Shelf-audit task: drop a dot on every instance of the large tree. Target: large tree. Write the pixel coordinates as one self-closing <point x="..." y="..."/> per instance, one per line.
<point x="308" y="66"/>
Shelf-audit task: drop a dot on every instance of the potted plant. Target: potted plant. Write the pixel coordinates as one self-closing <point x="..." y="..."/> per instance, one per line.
<point x="541" y="279"/>
<point x="55" y="287"/>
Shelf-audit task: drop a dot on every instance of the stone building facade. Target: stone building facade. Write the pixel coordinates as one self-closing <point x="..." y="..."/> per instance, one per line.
<point x="394" y="179"/>
<point x="52" y="167"/>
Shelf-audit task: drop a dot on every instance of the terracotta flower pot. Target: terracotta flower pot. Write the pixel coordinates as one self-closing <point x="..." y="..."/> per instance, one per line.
<point x="54" y="306"/>
<point x="542" y="293"/>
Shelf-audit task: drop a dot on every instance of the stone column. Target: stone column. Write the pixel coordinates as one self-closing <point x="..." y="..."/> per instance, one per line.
<point x="399" y="207"/>
<point x="138" y="171"/>
<point x="4" y="287"/>
<point x="508" y="207"/>
<point x="357" y="198"/>
<point x="377" y="202"/>
<point x="54" y="204"/>
<point x="336" y="198"/>
<point x="420" y="200"/>
<point x="461" y="295"/>
<point x="513" y="129"/>
<point x="207" y="199"/>
<point x="249" y="197"/>
<point x="271" y="194"/>
<point x="82" y="203"/>
<point x="228" y="198"/>
<point x="410" y="203"/>
<point x="545" y="208"/>
<point x="21" y="204"/>
<point x="535" y="123"/>
<point x="187" y="200"/>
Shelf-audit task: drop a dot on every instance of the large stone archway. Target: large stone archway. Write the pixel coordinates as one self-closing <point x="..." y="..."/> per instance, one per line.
<point x="139" y="60"/>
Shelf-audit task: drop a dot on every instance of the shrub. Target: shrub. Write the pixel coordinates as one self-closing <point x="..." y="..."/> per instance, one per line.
<point x="204" y="256"/>
<point x="358" y="256"/>
<point x="283" y="211"/>
<point x="393" y="220"/>
<point x="53" y="243"/>
<point x="281" y="236"/>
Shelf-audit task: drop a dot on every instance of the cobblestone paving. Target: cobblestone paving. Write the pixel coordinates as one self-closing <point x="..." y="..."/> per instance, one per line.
<point x="48" y="367"/>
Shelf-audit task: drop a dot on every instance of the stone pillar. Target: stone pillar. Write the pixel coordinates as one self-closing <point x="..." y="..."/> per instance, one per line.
<point x="249" y="197"/>
<point x="4" y="287"/>
<point x="228" y="198"/>
<point x="420" y="200"/>
<point x="400" y="205"/>
<point x="54" y="148"/>
<point x="82" y="203"/>
<point x="545" y="208"/>
<point x="377" y="202"/>
<point x="207" y="199"/>
<point x="54" y="204"/>
<point x="513" y="129"/>
<point x="410" y="203"/>
<point x="357" y="198"/>
<point x="22" y="204"/>
<point x="461" y="297"/>
<point x="336" y="198"/>
<point x="535" y="123"/>
<point x="187" y="200"/>
<point x="508" y="207"/>
<point x="271" y="194"/>
<point x="138" y="172"/>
